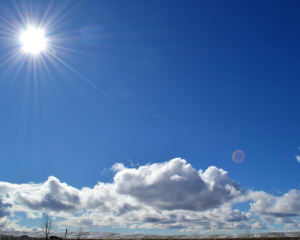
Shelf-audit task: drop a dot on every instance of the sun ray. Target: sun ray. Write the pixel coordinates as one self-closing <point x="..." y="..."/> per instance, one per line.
<point x="52" y="27"/>
<point x="10" y="24"/>
<point x="31" y="10"/>
<point x="20" y="14"/>
<point x="12" y="57"/>
<point x="16" y="74"/>
<point x="45" y="14"/>
<point x="34" y="60"/>
<point x="7" y="34"/>
<point x="53" y="16"/>
<point x="58" y="35"/>
<point x="71" y="50"/>
<point x="83" y="77"/>
<point x="49" y="73"/>
<point x="28" y="72"/>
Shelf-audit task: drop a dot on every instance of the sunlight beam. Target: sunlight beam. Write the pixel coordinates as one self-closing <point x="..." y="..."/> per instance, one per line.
<point x="84" y="78"/>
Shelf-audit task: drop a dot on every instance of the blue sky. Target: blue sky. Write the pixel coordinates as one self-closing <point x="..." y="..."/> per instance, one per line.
<point x="132" y="113"/>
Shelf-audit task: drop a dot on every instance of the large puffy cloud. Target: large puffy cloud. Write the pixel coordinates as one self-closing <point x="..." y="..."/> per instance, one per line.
<point x="51" y="195"/>
<point x="170" y="195"/>
<point x="177" y="185"/>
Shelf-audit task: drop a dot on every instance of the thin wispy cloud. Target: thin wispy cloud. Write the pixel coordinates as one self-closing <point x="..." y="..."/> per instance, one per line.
<point x="104" y="170"/>
<point x="131" y="163"/>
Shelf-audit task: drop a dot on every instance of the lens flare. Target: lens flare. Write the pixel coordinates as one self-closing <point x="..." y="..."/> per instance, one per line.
<point x="238" y="156"/>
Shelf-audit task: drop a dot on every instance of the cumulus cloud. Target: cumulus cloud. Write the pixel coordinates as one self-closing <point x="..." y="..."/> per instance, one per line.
<point x="298" y="158"/>
<point x="177" y="178"/>
<point x="118" y="167"/>
<point x="287" y="205"/>
<point x="291" y="226"/>
<point x="162" y="186"/>
<point x="169" y="195"/>
<point x="52" y="195"/>
<point x="284" y="220"/>
<point x="258" y="225"/>
<point x="5" y="207"/>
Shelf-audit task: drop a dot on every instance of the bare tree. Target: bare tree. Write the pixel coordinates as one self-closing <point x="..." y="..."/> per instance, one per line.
<point x="247" y="232"/>
<point x="4" y="219"/>
<point x="47" y="225"/>
<point x="80" y="233"/>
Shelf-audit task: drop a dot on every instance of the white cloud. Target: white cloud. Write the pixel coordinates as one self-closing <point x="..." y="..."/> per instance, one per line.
<point x="152" y="185"/>
<point x="15" y="226"/>
<point x="177" y="178"/>
<point x="284" y="220"/>
<point x="258" y="225"/>
<point x="298" y="158"/>
<point x="103" y="171"/>
<point x="52" y="195"/>
<point x="131" y="163"/>
<point x="118" y="167"/>
<point x="31" y="215"/>
<point x="268" y="219"/>
<point x="291" y="226"/>
<point x="287" y="205"/>
<point x="170" y="195"/>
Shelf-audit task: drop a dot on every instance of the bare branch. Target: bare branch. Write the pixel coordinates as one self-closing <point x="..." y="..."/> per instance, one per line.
<point x="4" y="219"/>
<point x="80" y="233"/>
<point x="47" y="225"/>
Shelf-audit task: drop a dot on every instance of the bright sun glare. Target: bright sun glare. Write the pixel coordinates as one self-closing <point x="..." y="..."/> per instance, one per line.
<point x="36" y="44"/>
<point x="33" y="40"/>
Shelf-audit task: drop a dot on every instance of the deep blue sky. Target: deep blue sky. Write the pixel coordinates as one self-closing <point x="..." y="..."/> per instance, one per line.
<point x="195" y="80"/>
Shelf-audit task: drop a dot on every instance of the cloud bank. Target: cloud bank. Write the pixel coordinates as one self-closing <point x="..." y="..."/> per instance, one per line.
<point x="170" y="195"/>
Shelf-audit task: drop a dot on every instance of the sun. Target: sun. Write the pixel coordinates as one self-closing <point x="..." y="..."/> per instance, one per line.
<point x="33" y="40"/>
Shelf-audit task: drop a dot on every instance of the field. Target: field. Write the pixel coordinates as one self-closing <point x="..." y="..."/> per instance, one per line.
<point x="16" y="235"/>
